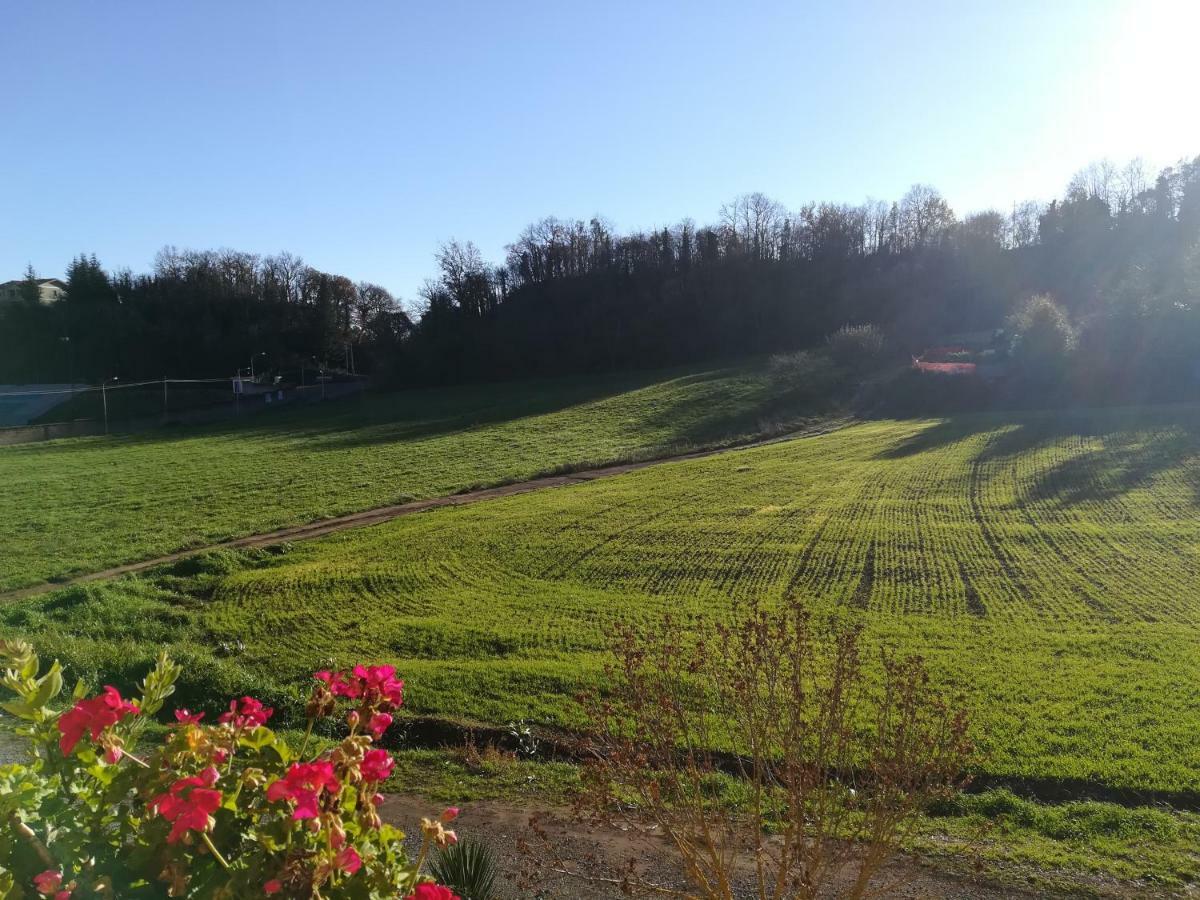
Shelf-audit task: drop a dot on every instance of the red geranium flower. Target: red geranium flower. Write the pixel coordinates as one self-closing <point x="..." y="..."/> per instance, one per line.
<point x="48" y="884"/>
<point x="303" y="785"/>
<point x="188" y="803"/>
<point x="339" y="685"/>
<point x="379" y="683"/>
<point x="92" y="716"/>
<point x="187" y="717"/>
<point x="246" y="713"/>
<point x="427" y="891"/>
<point x="348" y="861"/>
<point x="377" y="765"/>
<point x="379" y="723"/>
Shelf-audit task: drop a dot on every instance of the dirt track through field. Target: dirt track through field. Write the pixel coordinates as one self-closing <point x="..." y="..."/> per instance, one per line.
<point x="381" y="514"/>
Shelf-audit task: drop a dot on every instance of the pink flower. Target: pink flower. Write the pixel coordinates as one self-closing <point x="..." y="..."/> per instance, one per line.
<point x="189" y="803"/>
<point x="377" y="765"/>
<point x="375" y="685"/>
<point x="186" y="717"/>
<point x="303" y="785"/>
<point x="246" y="713"/>
<point x="48" y="882"/>
<point x="450" y="814"/>
<point x="377" y="800"/>
<point x="379" y="723"/>
<point x="92" y="716"/>
<point x="339" y="684"/>
<point x="380" y="683"/>
<point x="348" y="860"/>
<point x="274" y="886"/>
<point x="427" y="891"/>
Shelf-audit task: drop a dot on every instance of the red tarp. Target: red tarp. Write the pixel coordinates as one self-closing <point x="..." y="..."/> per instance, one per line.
<point x="946" y="368"/>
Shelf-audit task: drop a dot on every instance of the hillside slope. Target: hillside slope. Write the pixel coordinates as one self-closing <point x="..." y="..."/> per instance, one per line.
<point x="1046" y="565"/>
<point x="84" y="504"/>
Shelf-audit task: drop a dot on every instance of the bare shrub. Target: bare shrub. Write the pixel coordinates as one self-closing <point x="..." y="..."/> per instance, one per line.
<point x="766" y="755"/>
<point x="856" y="346"/>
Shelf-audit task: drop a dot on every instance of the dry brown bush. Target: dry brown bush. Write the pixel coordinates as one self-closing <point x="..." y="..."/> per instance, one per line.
<point x="825" y="766"/>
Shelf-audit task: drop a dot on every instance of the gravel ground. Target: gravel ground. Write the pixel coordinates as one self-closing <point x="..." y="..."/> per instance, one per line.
<point x="604" y="853"/>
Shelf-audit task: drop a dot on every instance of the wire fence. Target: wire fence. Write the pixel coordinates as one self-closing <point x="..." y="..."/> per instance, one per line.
<point x="163" y="397"/>
<point x="113" y="386"/>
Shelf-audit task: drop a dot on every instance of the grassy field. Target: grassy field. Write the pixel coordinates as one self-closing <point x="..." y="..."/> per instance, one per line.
<point x="84" y="504"/>
<point x="1046" y="564"/>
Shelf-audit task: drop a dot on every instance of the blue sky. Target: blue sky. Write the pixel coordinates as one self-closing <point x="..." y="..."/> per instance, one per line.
<point x="360" y="135"/>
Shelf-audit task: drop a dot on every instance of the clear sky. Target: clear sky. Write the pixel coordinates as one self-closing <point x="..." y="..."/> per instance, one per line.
<point x="361" y="134"/>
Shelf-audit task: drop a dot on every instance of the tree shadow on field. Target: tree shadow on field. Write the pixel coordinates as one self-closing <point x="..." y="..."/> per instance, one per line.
<point x="1125" y="461"/>
<point x="704" y="411"/>
<point x="509" y="402"/>
<point x="377" y="418"/>
<point x="1116" y="450"/>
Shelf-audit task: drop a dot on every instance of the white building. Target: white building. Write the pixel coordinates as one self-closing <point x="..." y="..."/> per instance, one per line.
<point x="50" y="290"/>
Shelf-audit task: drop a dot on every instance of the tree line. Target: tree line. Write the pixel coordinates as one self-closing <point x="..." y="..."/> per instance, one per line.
<point x="1119" y="253"/>
<point x="198" y="313"/>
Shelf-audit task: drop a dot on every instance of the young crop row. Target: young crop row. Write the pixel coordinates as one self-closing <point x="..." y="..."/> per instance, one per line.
<point x="1044" y="566"/>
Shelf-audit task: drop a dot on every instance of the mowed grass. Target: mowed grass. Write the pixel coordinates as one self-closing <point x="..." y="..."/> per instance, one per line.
<point x="1047" y="565"/>
<point x="85" y="504"/>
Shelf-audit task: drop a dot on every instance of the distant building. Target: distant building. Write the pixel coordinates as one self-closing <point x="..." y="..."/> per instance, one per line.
<point x="50" y="290"/>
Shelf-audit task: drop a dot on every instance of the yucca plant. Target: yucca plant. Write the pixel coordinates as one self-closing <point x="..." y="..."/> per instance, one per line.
<point x="468" y="868"/>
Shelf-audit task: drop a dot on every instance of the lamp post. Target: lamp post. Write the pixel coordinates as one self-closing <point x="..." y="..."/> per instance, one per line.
<point x="254" y="356"/>
<point x="104" y="400"/>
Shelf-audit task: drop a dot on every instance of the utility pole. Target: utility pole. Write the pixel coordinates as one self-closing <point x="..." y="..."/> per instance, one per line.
<point x="104" y="401"/>
<point x="164" y="398"/>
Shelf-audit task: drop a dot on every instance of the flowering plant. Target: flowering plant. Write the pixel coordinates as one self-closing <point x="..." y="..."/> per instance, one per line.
<point x="222" y="810"/>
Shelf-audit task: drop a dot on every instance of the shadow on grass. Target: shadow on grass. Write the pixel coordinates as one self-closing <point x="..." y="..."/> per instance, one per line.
<point x="378" y="418"/>
<point x="1107" y="453"/>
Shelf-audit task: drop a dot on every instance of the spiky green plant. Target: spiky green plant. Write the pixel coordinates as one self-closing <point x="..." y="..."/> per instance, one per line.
<point x="469" y="867"/>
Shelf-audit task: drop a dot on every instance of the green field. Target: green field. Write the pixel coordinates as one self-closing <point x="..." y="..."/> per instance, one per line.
<point x="1047" y="564"/>
<point x="84" y="504"/>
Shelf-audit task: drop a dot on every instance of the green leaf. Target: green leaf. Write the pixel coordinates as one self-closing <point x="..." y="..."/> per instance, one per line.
<point x="18" y="708"/>
<point x="48" y="686"/>
<point x="258" y="738"/>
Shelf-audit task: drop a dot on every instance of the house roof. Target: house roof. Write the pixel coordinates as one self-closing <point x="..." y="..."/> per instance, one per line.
<point x="57" y="282"/>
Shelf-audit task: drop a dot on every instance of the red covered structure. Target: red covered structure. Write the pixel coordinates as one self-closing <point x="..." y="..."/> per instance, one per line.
<point x="934" y="361"/>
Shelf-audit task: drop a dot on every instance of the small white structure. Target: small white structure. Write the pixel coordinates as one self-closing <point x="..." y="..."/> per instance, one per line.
<point x="50" y="290"/>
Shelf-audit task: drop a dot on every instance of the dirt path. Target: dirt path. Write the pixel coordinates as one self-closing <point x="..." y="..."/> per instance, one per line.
<point x="603" y="854"/>
<point x="387" y="513"/>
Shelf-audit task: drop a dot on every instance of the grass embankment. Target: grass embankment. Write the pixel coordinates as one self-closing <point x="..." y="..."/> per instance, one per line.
<point x="84" y="504"/>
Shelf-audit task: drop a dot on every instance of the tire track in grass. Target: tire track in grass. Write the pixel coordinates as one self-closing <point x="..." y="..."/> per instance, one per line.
<point x="806" y="554"/>
<point x="861" y="599"/>
<point x="381" y="514"/>
<point x="1007" y="565"/>
<point x="1092" y="601"/>
<point x="974" y="602"/>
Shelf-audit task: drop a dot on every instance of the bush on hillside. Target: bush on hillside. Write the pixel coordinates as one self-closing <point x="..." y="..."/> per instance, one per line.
<point x="805" y="373"/>
<point x="857" y="347"/>
<point x="1042" y="339"/>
